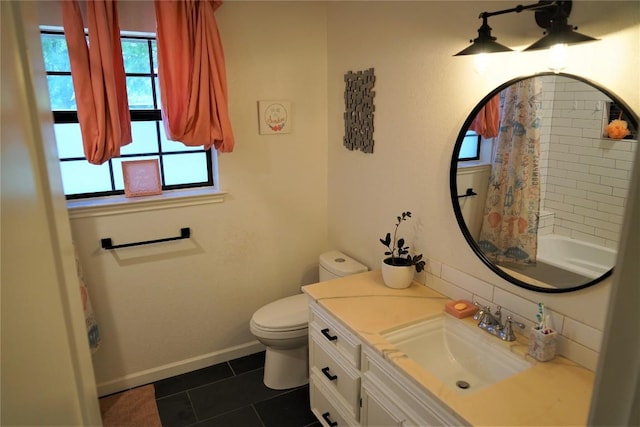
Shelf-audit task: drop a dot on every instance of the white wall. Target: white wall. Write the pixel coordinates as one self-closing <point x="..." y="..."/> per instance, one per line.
<point x="423" y="96"/>
<point x="171" y="308"/>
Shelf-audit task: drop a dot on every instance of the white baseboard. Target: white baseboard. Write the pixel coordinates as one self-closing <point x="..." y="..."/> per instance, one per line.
<point x="176" y="368"/>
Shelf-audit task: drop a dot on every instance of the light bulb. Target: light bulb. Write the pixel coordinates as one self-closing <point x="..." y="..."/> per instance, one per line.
<point x="557" y="57"/>
<point x="481" y="63"/>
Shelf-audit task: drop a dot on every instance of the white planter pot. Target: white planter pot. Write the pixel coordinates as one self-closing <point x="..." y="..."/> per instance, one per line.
<point x="397" y="276"/>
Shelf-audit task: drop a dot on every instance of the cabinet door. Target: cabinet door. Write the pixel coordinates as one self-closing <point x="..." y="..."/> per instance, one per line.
<point x="378" y="411"/>
<point x="325" y="406"/>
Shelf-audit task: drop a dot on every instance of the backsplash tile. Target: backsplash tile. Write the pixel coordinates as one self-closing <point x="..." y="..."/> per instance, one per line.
<point x="578" y="353"/>
<point x="449" y="289"/>
<point x="470" y="283"/>
<point x="582" y="334"/>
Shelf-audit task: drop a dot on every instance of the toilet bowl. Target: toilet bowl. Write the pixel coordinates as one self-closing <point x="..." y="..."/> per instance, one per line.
<point x="283" y="327"/>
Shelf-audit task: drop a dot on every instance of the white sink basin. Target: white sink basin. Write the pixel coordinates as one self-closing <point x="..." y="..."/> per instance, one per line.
<point x="457" y="353"/>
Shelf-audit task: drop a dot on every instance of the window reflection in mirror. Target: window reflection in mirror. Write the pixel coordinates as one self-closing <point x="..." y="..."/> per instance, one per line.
<point x="548" y="205"/>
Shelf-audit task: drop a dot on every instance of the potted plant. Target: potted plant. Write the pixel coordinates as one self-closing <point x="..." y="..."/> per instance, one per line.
<point x="397" y="268"/>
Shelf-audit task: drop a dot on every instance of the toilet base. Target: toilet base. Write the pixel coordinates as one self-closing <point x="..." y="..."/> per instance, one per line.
<point x="286" y="368"/>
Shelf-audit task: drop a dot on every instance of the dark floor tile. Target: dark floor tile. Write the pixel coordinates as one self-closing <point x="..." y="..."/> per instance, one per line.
<point x="230" y="394"/>
<point x="175" y="410"/>
<point x="291" y="409"/>
<point x="247" y="363"/>
<point x="192" y="379"/>
<point x="243" y="417"/>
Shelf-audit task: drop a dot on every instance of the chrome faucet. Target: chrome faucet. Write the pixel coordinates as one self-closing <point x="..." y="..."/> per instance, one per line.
<point x="492" y="323"/>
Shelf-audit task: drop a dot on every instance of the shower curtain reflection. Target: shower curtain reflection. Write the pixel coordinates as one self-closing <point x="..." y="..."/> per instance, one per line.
<point x="510" y="224"/>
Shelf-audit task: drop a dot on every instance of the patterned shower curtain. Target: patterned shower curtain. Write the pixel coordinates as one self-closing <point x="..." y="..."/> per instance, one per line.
<point x="509" y="230"/>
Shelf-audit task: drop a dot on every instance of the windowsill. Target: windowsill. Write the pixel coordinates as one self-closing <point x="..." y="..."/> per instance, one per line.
<point x="472" y="164"/>
<point x="118" y="205"/>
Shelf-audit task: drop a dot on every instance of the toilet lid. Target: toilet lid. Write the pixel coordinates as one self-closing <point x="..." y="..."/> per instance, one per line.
<point x="285" y="314"/>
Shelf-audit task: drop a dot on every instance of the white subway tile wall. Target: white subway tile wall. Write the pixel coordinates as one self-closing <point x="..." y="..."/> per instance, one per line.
<point x="585" y="175"/>
<point x="545" y="223"/>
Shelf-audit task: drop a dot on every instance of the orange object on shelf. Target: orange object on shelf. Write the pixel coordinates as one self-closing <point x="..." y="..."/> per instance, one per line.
<point x="460" y="308"/>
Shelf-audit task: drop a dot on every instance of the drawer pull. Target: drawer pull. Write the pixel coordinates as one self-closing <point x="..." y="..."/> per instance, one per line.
<point x="328" y="336"/>
<point x="328" y="420"/>
<point x="327" y="374"/>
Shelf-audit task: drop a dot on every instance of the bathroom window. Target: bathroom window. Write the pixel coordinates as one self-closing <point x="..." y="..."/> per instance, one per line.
<point x="470" y="148"/>
<point x="180" y="166"/>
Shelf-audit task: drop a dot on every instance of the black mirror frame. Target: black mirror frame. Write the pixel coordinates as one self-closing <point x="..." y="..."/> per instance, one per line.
<point x="453" y="182"/>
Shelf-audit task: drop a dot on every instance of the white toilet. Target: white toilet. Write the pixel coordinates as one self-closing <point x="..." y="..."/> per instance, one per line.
<point x="282" y="326"/>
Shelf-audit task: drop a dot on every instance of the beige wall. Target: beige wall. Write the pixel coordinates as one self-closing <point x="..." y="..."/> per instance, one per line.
<point x="167" y="309"/>
<point x="423" y="96"/>
<point x="47" y="377"/>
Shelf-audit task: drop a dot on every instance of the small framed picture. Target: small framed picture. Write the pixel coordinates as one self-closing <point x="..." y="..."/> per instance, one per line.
<point x="274" y="117"/>
<point x="141" y="178"/>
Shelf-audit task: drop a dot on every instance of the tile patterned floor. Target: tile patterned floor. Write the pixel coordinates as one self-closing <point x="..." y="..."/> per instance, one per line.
<point x="231" y="394"/>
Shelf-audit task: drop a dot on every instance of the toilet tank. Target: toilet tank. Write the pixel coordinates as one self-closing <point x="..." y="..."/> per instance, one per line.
<point x="334" y="264"/>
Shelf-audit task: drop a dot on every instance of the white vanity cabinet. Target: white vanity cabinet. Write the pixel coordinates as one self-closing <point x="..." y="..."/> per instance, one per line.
<point x="351" y="384"/>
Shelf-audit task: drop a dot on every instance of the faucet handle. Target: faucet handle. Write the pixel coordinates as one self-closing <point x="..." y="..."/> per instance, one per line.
<point x="518" y="324"/>
<point x="507" y="334"/>
<point x="498" y="315"/>
<point x="481" y="311"/>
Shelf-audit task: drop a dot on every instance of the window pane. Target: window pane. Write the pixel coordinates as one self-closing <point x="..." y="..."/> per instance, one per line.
<point x="173" y="146"/>
<point x="117" y="169"/>
<point x="82" y="177"/>
<point x="135" y="54"/>
<point x="154" y="53"/>
<point x="158" y="99"/>
<point x="68" y="140"/>
<point x="139" y="93"/>
<point x="185" y="168"/>
<point x="61" y="93"/>
<point x="54" y="50"/>
<point x="145" y="139"/>
<point x="469" y="148"/>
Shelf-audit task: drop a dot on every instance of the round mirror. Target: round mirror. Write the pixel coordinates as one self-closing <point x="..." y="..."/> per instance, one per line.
<point x="539" y="180"/>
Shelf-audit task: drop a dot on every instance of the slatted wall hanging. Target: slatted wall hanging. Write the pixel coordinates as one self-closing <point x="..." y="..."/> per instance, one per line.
<point x="359" y="108"/>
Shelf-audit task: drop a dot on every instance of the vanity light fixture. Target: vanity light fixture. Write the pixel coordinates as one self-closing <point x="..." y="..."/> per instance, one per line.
<point x="550" y="15"/>
<point x="485" y="43"/>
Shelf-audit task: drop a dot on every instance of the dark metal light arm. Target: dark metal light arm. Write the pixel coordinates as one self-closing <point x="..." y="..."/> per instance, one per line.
<point x="519" y="8"/>
<point x="550" y="15"/>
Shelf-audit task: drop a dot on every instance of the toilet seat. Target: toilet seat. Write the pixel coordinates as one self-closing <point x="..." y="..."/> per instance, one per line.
<point x="288" y="314"/>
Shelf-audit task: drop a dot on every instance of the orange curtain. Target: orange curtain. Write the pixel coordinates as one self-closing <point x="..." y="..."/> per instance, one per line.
<point x="98" y="78"/>
<point x="193" y="82"/>
<point x="486" y="123"/>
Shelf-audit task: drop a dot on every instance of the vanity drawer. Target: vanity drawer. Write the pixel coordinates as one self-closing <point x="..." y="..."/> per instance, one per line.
<point x="324" y="407"/>
<point x="335" y="373"/>
<point x="335" y="335"/>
